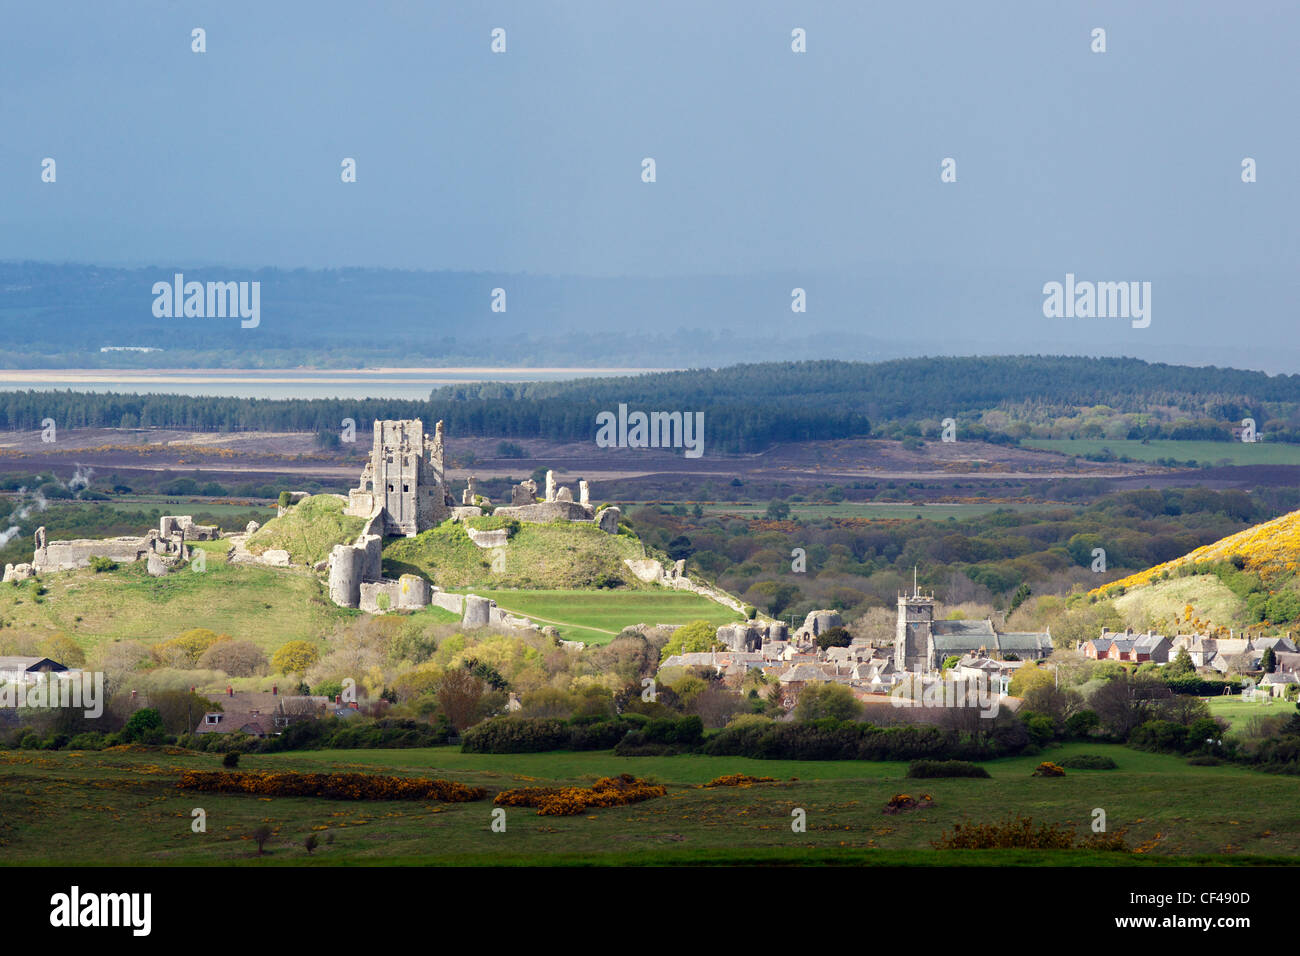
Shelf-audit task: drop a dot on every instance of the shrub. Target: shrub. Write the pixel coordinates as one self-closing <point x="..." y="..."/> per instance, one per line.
<point x="231" y="760"/>
<point x="1082" y="724"/>
<point x="1159" y="736"/>
<point x="1087" y="762"/>
<point x="145" y="726"/>
<point x="922" y="769"/>
<point x="571" y="801"/>
<point x="332" y="786"/>
<point x="1019" y="832"/>
<point x="515" y="735"/>
<point x="737" y="780"/>
<point x="901" y="802"/>
<point x="1048" y="769"/>
<point x="99" y="565"/>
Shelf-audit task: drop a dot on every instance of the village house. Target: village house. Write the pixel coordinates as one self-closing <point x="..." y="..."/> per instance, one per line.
<point x="263" y="714"/>
<point x="28" y="670"/>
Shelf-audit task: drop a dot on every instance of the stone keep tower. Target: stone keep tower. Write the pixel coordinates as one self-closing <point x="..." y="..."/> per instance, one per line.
<point x="912" y="639"/>
<point x="404" y="477"/>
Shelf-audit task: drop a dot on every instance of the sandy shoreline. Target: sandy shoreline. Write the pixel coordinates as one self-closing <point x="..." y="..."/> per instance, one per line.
<point x="299" y="376"/>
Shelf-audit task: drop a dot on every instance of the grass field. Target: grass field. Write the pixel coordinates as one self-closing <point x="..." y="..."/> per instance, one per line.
<point x="596" y="617"/>
<point x="124" y="808"/>
<point x="174" y="504"/>
<point x="1202" y="452"/>
<point x="877" y="511"/>
<point x="1238" y="712"/>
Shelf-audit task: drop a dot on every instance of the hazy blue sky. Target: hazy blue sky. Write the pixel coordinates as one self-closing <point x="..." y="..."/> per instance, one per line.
<point x="1117" y="166"/>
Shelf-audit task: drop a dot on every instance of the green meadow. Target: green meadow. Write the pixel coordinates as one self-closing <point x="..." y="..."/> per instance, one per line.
<point x="124" y="807"/>
<point x="1202" y="452"/>
<point x="877" y="511"/>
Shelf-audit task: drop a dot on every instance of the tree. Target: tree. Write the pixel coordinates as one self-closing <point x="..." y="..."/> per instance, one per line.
<point x="834" y="637"/>
<point x="236" y="658"/>
<point x="818" y="701"/>
<point x="294" y="657"/>
<point x="145" y="726"/>
<point x="1181" y="665"/>
<point x="310" y="843"/>
<point x="1268" y="661"/>
<point x="695" y="637"/>
<point x="777" y="510"/>
<point x="260" y="836"/>
<point x="185" y="650"/>
<point x="459" y="693"/>
<point x="59" y="647"/>
<point x="951" y="661"/>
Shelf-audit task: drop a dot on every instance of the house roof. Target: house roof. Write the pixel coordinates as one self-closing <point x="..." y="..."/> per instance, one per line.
<point x="804" y="672"/>
<point x="30" y="664"/>
<point x="968" y="629"/>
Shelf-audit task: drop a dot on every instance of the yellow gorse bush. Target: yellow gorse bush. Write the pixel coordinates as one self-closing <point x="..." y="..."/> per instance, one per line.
<point x="332" y="786"/>
<point x="571" y="801"/>
<point x="737" y="780"/>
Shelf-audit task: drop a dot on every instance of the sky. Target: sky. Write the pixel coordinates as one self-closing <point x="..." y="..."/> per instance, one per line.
<point x="819" y="168"/>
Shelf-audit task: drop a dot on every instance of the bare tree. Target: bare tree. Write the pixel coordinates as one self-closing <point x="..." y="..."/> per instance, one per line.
<point x="459" y="693"/>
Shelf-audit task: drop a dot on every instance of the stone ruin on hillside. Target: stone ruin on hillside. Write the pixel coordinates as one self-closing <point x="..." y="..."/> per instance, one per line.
<point x="162" y="547"/>
<point x="404" y="481"/>
<point x="403" y="491"/>
<point x="558" y="505"/>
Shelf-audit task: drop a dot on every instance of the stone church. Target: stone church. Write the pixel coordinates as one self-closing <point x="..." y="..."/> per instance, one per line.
<point x="922" y="644"/>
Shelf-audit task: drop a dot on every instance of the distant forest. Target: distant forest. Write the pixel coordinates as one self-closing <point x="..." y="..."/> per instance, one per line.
<point x="748" y="407"/>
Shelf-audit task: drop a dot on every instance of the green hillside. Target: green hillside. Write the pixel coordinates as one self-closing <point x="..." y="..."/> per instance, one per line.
<point x="268" y="606"/>
<point x="539" y="556"/>
<point x="309" y="530"/>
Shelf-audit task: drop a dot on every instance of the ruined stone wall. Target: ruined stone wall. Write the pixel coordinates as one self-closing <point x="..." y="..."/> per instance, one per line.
<point x="67" y="555"/>
<point x="544" y="511"/>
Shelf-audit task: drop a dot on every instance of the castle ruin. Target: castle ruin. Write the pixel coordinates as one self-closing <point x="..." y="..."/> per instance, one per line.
<point x="404" y="482"/>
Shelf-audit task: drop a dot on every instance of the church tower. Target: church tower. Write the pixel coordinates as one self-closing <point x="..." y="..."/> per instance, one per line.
<point x="915" y="628"/>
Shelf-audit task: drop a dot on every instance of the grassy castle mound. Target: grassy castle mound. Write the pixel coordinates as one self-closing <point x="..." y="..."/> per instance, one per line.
<point x="308" y="531"/>
<point x="556" y="555"/>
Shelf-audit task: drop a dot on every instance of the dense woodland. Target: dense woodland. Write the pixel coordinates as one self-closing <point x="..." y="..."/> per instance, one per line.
<point x="748" y="407"/>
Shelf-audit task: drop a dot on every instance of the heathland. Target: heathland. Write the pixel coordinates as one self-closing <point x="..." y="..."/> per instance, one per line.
<point x="124" y="807"/>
